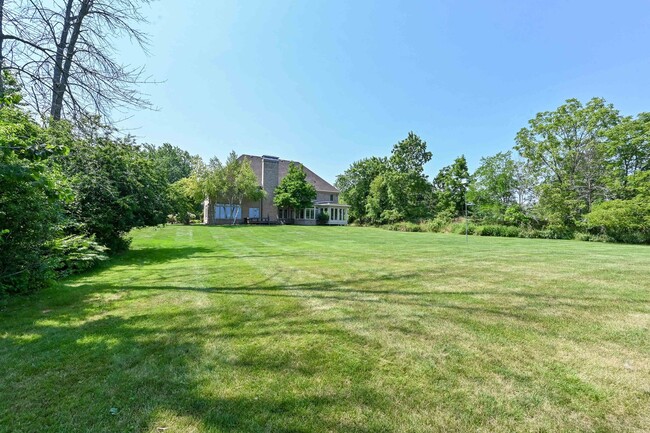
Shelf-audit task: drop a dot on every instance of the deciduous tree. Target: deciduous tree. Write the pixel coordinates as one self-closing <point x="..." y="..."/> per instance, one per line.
<point x="294" y="192"/>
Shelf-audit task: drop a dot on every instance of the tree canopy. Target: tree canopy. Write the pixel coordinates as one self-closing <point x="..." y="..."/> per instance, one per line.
<point x="293" y="191"/>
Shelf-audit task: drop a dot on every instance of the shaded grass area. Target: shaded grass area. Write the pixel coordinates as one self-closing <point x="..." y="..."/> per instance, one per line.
<point x="297" y="329"/>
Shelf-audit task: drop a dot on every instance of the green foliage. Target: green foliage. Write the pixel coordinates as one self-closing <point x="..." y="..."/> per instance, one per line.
<point x="622" y="220"/>
<point x="406" y="182"/>
<point x="494" y="187"/>
<point x="355" y="182"/>
<point x="383" y="190"/>
<point x="572" y="159"/>
<point x="628" y="153"/>
<point x="29" y="216"/>
<point x="116" y="188"/>
<point x="545" y="233"/>
<point x="405" y="226"/>
<point x="497" y="230"/>
<point x="516" y="215"/>
<point x="294" y="192"/>
<point x="449" y="189"/>
<point x="232" y="183"/>
<point x="75" y="253"/>
<point x="567" y="147"/>
<point x="378" y="200"/>
<point x="437" y="224"/>
<point x="30" y="203"/>
<point x="322" y="218"/>
<point x="182" y="200"/>
<point x="174" y="162"/>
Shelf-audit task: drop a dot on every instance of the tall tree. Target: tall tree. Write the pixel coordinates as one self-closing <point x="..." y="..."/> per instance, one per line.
<point x="406" y="182"/>
<point x="450" y="187"/>
<point x="389" y="189"/>
<point x="566" y="146"/>
<point x="231" y="183"/>
<point x="63" y="54"/>
<point x="173" y="161"/>
<point x="493" y="186"/>
<point x="355" y="182"/>
<point x="294" y="192"/>
<point x="116" y="187"/>
<point x="628" y="153"/>
<point x="240" y="183"/>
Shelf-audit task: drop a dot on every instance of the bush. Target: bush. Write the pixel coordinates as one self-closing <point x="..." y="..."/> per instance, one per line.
<point x="498" y="230"/>
<point x="391" y="216"/>
<point x="588" y="237"/>
<point x="461" y="227"/>
<point x="116" y="189"/>
<point x="76" y="253"/>
<point x="621" y="220"/>
<point x="28" y="219"/>
<point x="436" y="225"/>
<point x="322" y="218"/>
<point x="404" y="227"/>
<point x="549" y="233"/>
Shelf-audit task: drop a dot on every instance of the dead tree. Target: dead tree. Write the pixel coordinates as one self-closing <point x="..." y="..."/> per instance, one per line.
<point x="63" y="55"/>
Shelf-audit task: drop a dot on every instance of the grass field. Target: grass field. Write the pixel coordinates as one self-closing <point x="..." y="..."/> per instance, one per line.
<point x="301" y="329"/>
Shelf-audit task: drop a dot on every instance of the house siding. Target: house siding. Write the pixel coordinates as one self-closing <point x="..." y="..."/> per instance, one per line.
<point x="322" y="196"/>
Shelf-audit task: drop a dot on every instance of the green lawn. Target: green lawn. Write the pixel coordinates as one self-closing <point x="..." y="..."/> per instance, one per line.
<point x="300" y="329"/>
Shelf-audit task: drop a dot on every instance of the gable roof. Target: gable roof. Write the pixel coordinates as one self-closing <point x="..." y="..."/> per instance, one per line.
<point x="319" y="183"/>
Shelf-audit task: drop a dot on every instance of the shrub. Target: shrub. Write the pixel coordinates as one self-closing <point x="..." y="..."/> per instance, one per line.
<point x="549" y="233"/>
<point x="391" y="216"/>
<point x="322" y="218"/>
<point x="30" y="212"/>
<point x="436" y="225"/>
<point x="582" y="237"/>
<point x="404" y="226"/>
<point x="76" y="253"/>
<point x="621" y="220"/>
<point x="498" y="230"/>
<point x="588" y="237"/>
<point x="461" y="227"/>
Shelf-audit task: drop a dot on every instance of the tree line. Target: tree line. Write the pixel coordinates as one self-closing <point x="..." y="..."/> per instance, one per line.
<point x="581" y="170"/>
<point x="70" y="196"/>
<point x="71" y="185"/>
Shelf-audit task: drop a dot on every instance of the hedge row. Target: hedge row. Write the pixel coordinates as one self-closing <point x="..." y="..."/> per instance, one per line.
<point x="459" y="227"/>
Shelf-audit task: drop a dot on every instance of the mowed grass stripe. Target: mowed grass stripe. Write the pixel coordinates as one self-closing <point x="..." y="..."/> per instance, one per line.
<point x="335" y="329"/>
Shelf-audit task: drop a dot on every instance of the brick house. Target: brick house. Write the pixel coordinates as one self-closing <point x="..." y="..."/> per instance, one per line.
<point x="269" y="171"/>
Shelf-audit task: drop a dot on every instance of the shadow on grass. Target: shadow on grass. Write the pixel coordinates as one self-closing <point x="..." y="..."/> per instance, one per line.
<point x="264" y="370"/>
<point x="233" y="364"/>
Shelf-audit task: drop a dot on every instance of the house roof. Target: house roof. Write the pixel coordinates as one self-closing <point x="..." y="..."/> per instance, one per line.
<point x="319" y="183"/>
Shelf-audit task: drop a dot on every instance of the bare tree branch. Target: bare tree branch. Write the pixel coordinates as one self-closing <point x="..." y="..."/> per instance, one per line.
<point x="62" y="53"/>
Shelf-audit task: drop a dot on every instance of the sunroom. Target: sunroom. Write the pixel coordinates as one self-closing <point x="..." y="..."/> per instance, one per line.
<point x="338" y="214"/>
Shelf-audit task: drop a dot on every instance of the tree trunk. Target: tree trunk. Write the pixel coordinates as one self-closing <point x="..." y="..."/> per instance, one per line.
<point x="2" y="58"/>
<point x="57" y="92"/>
<point x="64" y="62"/>
<point x="210" y="212"/>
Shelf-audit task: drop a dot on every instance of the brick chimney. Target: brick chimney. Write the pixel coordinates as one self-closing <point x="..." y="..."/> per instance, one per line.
<point x="270" y="181"/>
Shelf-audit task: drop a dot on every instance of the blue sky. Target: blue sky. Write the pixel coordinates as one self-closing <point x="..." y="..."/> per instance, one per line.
<point x="331" y="82"/>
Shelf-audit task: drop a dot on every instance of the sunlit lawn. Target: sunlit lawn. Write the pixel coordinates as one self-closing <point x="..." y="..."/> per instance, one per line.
<point x="299" y="329"/>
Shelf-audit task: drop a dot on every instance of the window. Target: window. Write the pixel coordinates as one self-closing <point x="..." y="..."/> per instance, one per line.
<point x="331" y="197"/>
<point x="226" y="211"/>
